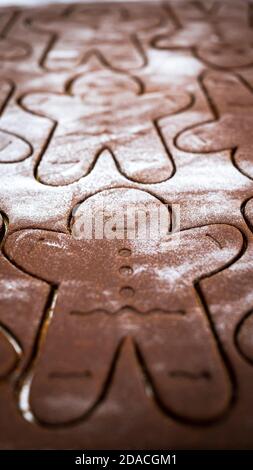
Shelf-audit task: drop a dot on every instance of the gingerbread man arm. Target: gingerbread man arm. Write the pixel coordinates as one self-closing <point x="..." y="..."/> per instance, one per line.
<point x="6" y="90"/>
<point x="185" y="38"/>
<point x="8" y="353"/>
<point x="58" y="251"/>
<point x="54" y="106"/>
<point x="13" y="50"/>
<point x="9" y="348"/>
<point x="160" y="105"/>
<point x="204" y="250"/>
<point x="244" y="330"/>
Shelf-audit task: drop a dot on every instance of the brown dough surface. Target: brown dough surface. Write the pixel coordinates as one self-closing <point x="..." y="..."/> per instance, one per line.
<point x="126" y="342"/>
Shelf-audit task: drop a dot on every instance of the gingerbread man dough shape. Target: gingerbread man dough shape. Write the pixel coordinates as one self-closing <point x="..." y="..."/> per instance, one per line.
<point x="11" y="49"/>
<point x="228" y="51"/>
<point x="21" y="305"/>
<point x="112" y="32"/>
<point x="13" y="148"/>
<point x="8" y="353"/>
<point x="105" y="110"/>
<point x="244" y="330"/>
<point x="220" y="36"/>
<point x="232" y="106"/>
<point x="110" y="289"/>
<point x="6" y="90"/>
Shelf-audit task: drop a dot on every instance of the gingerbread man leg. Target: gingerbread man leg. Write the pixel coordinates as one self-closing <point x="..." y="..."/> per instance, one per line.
<point x="143" y="156"/>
